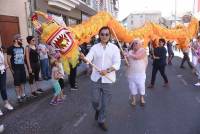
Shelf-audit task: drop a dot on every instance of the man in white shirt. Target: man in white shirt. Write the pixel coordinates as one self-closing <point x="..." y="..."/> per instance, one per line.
<point x="106" y="56"/>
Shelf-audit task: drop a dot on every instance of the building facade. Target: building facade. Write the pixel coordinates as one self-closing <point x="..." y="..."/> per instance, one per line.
<point x="72" y="11"/>
<point x="13" y="19"/>
<point x="137" y="20"/>
<point x="111" y="6"/>
<point x="15" y="15"/>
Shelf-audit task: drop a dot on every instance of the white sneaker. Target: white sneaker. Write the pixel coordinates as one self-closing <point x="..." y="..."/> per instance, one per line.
<point x="74" y="89"/>
<point x="1" y="113"/>
<point x="8" y="106"/>
<point x="197" y="84"/>
<point x="1" y="128"/>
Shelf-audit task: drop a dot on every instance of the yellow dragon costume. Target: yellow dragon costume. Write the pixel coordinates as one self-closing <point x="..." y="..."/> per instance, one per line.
<point x="67" y="39"/>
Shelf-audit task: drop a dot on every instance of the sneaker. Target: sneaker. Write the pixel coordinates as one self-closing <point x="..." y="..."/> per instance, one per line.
<point x="150" y="86"/>
<point x="182" y="67"/>
<point x="24" y="97"/>
<point x="1" y="128"/>
<point x="103" y="126"/>
<point x="1" y="113"/>
<point x="53" y="103"/>
<point x="34" y="94"/>
<point x="19" y="100"/>
<point x="197" y="84"/>
<point x="60" y="101"/>
<point x="166" y="85"/>
<point x="40" y="90"/>
<point x="74" y="88"/>
<point x="8" y="106"/>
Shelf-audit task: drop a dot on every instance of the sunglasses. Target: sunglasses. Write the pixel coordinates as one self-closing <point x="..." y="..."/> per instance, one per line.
<point x="104" y="34"/>
<point x="134" y="43"/>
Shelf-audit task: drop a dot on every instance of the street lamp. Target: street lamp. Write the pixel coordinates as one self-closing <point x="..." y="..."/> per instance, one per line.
<point x="175" y="12"/>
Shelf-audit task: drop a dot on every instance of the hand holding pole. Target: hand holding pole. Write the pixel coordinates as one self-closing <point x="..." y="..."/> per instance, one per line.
<point x="120" y="46"/>
<point x="93" y="65"/>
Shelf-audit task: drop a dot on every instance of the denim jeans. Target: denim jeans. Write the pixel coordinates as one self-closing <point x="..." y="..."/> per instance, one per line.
<point x="45" y="70"/>
<point x="3" y="86"/>
<point x="101" y="97"/>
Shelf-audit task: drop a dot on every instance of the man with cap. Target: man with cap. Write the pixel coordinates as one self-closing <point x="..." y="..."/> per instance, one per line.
<point x="15" y="59"/>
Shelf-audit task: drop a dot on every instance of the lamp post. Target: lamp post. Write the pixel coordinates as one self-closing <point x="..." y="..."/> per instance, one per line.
<point x="175" y="12"/>
<point x="193" y="7"/>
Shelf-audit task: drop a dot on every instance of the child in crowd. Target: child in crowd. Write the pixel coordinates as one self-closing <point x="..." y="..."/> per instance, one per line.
<point x="61" y="79"/>
<point x="56" y="75"/>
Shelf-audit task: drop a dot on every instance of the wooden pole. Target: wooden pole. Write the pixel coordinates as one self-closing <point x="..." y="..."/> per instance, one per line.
<point x="120" y="46"/>
<point x="98" y="69"/>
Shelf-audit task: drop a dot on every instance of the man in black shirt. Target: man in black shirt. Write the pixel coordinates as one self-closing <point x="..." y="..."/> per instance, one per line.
<point x="16" y="63"/>
<point x="159" y="63"/>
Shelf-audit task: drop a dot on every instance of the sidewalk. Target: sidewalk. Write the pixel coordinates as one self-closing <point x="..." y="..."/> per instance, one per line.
<point x="45" y="85"/>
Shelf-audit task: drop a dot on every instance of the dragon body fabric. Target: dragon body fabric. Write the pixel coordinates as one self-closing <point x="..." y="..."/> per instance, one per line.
<point x="67" y="39"/>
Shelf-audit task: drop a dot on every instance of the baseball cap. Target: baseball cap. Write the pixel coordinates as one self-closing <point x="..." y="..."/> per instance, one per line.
<point x="17" y="36"/>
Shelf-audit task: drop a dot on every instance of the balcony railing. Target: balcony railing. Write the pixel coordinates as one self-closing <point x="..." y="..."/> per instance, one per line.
<point x="84" y="5"/>
<point x="64" y="4"/>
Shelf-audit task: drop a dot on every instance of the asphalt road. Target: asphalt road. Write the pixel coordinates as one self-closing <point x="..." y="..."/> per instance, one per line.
<point x="173" y="110"/>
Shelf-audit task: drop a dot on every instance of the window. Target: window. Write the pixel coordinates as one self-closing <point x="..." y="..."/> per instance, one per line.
<point x="132" y="22"/>
<point x="72" y="21"/>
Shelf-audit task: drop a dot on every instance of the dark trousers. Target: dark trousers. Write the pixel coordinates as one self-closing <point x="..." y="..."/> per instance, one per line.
<point x="186" y="58"/>
<point x="101" y="97"/>
<point x="161" y="69"/>
<point x="170" y="57"/>
<point x="72" y="76"/>
<point x="3" y="86"/>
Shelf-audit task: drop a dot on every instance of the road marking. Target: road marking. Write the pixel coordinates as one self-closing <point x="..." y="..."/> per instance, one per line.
<point x="184" y="81"/>
<point x="146" y="131"/>
<point x="179" y="76"/>
<point x="197" y="99"/>
<point x="80" y="120"/>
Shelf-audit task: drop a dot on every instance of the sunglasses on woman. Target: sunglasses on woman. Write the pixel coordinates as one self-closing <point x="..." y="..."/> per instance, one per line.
<point x="104" y="34"/>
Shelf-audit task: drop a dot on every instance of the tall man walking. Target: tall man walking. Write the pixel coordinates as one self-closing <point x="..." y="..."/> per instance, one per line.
<point x="105" y="56"/>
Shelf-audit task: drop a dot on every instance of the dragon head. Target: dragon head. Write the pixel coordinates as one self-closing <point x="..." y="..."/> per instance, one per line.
<point x="52" y="33"/>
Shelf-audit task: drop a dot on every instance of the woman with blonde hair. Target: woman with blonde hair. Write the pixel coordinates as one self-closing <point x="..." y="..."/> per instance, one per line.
<point x="136" y="72"/>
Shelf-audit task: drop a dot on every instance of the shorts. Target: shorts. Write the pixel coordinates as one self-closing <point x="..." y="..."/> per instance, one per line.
<point x="19" y="76"/>
<point x="35" y="72"/>
<point x="56" y="88"/>
<point x="61" y="82"/>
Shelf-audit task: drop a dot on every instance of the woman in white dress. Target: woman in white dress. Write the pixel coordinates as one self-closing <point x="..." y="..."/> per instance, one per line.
<point x="136" y="72"/>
